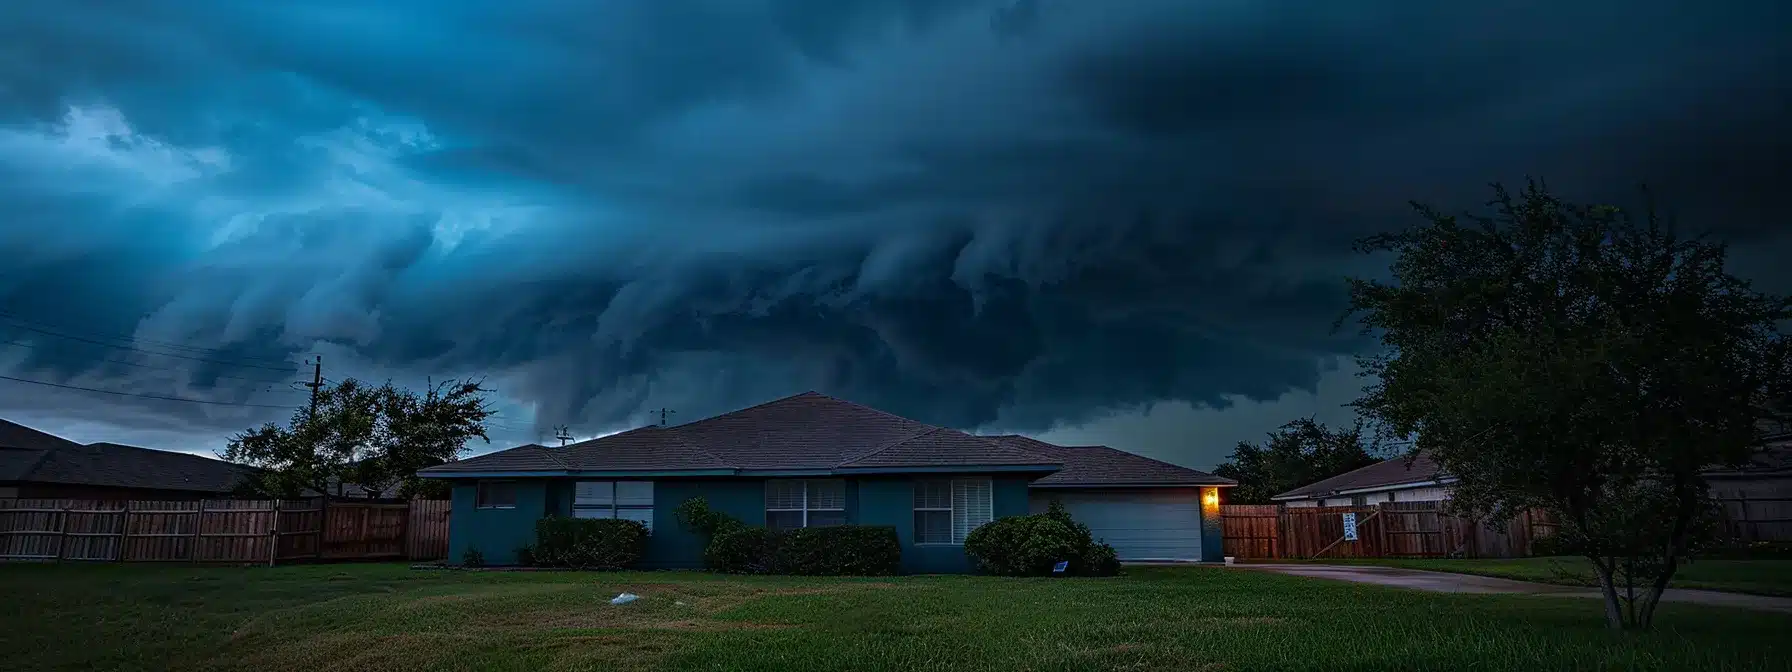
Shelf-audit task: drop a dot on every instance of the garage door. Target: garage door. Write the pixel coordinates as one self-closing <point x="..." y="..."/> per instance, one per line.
<point x="1139" y="524"/>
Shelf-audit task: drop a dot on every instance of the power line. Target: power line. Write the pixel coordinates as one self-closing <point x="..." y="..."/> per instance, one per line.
<point x="149" y="352"/>
<point x="134" y="339"/>
<point x="145" y="396"/>
<point x="159" y="368"/>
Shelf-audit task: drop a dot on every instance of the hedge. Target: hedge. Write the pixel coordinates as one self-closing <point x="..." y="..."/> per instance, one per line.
<point x="844" y="550"/>
<point x="587" y="543"/>
<point x="1033" y="545"/>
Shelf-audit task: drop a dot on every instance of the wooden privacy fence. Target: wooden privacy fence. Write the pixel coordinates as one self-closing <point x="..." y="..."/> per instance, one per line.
<point x="1390" y="529"/>
<point x="221" y="531"/>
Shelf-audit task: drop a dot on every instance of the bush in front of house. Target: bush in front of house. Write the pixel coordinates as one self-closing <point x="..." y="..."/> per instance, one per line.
<point x="844" y="550"/>
<point x="741" y="550"/>
<point x="588" y="543"/>
<point x="1032" y="545"/>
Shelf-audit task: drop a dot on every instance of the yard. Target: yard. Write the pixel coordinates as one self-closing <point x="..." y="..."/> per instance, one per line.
<point x="387" y="617"/>
<point x="1757" y="576"/>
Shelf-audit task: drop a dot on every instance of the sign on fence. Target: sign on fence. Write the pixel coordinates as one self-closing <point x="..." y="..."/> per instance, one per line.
<point x="1350" y="526"/>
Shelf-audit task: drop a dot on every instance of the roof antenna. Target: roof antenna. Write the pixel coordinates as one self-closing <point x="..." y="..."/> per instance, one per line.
<point x="564" y="434"/>
<point x="663" y="412"/>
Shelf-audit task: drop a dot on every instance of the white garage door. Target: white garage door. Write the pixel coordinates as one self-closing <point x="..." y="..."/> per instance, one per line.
<point x="1156" y="524"/>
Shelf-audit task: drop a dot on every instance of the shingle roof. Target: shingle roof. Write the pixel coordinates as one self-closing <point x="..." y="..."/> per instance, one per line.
<point x="1101" y="466"/>
<point x="28" y="455"/>
<point x="1396" y="471"/>
<point x="23" y="448"/>
<point x="114" y="465"/>
<point x="806" y="431"/>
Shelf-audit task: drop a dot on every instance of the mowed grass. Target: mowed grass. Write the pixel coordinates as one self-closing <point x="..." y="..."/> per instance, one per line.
<point x="1760" y="577"/>
<point x="385" y="617"/>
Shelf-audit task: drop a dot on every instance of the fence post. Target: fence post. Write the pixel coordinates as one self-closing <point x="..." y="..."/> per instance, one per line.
<point x="62" y="534"/>
<point x="193" y="541"/>
<point x="1382" y="531"/>
<point x="323" y="524"/>
<point x="124" y="530"/>
<point x="274" y="535"/>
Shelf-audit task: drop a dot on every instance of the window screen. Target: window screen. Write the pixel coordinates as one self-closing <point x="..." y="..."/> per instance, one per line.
<point x="496" y="495"/>
<point x="794" y="503"/>
<point x="946" y="510"/>
<point x="627" y="500"/>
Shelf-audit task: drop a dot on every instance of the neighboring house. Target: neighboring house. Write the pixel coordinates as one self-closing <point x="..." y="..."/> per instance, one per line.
<point x="1757" y="497"/>
<point x="1400" y="479"/>
<point x="806" y="461"/>
<point x="35" y="465"/>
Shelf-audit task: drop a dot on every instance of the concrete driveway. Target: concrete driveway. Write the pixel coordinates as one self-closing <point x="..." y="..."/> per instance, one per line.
<point x="1443" y="582"/>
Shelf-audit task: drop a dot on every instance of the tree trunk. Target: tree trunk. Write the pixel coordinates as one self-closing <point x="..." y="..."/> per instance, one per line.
<point x="1677" y="543"/>
<point x="1614" y="615"/>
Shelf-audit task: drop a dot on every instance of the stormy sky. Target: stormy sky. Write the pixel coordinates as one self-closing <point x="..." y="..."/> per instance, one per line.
<point x="1120" y="222"/>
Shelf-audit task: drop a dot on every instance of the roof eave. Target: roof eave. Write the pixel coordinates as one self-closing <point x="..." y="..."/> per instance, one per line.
<point x="1318" y="494"/>
<point x="1087" y="484"/>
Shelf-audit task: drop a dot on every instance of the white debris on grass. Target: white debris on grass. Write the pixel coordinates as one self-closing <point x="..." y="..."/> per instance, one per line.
<point x="625" y="598"/>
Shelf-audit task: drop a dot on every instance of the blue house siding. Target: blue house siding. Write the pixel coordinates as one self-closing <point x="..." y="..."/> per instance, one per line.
<point x="870" y="500"/>
<point x="891" y="501"/>
<point x="496" y="533"/>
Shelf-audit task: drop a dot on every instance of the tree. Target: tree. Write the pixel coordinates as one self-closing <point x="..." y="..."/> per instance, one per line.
<point x="1578" y="360"/>
<point x="374" y="437"/>
<point x="1300" y="452"/>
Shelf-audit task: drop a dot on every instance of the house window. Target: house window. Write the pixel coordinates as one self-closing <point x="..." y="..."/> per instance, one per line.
<point x="790" y="504"/>
<point x="627" y="500"/>
<point x="1359" y="500"/>
<point x="946" y="510"/>
<point x="496" y="495"/>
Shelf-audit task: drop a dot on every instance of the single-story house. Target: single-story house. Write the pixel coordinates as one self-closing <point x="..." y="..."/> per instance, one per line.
<point x="39" y="465"/>
<point x="1757" y="496"/>
<point x="813" y="460"/>
<point x="1400" y="479"/>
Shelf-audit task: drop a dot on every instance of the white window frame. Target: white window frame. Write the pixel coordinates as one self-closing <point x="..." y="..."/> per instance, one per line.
<point x="479" y="495"/>
<point x="615" y="505"/>
<point x="951" y="511"/>
<point x="807" y="486"/>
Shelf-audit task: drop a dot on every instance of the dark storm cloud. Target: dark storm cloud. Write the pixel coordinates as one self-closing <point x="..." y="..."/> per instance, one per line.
<point x="1018" y="214"/>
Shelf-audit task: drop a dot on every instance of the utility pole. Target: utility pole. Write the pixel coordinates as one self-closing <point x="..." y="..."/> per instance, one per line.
<point x="564" y="434"/>
<point x="663" y="412"/>
<point x="317" y="382"/>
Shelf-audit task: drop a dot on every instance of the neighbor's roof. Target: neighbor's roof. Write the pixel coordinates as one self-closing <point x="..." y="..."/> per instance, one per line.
<point x="22" y="448"/>
<point x="1101" y="466"/>
<point x="32" y="456"/>
<point x="809" y="431"/>
<point x="1384" y="474"/>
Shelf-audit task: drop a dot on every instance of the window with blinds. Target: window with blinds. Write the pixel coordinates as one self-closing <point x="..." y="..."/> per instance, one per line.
<point x="946" y="510"/>
<point x="794" y="503"/>
<point x="627" y="500"/>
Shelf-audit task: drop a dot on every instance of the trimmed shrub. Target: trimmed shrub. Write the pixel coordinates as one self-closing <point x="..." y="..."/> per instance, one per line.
<point x="472" y="558"/>
<point x="589" y="543"/>
<point x="845" y="550"/>
<point x="1032" y="545"/>
<point x="741" y="550"/>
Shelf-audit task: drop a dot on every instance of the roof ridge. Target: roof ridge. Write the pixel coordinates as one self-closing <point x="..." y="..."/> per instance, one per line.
<point x="1142" y="457"/>
<point x="740" y="410"/>
<point x="931" y="429"/>
<point x="552" y="456"/>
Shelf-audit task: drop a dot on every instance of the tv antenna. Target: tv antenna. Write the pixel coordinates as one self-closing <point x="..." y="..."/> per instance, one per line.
<point x="564" y="434"/>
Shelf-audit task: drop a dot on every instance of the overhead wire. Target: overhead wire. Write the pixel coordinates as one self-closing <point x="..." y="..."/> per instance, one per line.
<point x="146" y="396"/>
<point x="268" y="381"/>
<point x="151" y="352"/>
<point x="14" y="317"/>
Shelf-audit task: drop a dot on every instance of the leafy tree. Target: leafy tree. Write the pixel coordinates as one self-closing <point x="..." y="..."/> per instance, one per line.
<point x="375" y="437"/>
<point x="1300" y="452"/>
<point x="1579" y="360"/>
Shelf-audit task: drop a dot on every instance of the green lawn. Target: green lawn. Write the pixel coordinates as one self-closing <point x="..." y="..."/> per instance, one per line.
<point x="1761" y="577"/>
<point x="367" y="618"/>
